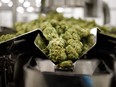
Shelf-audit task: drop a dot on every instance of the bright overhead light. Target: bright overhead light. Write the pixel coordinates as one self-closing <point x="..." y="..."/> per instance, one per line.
<point x="0" y="4"/>
<point x="20" y="9"/>
<point x="30" y="9"/>
<point x="10" y="4"/>
<point x="21" y="1"/>
<point x="38" y="1"/>
<point x="60" y="10"/>
<point x="5" y="1"/>
<point x="26" y="4"/>
<point x="38" y="4"/>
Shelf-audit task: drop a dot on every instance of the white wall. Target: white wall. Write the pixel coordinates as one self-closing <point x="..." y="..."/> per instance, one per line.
<point x="112" y="5"/>
<point x="6" y="18"/>
<point x="99" y="19"/>
<point x="26" y="17"/>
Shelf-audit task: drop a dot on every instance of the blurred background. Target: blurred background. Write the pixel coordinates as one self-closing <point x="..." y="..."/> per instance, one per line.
<point x="102" y="11"/>
<point x="18" y="17"/>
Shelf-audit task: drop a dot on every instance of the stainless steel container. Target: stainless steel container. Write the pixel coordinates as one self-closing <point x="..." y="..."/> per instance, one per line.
<point x="87" y="73"/>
